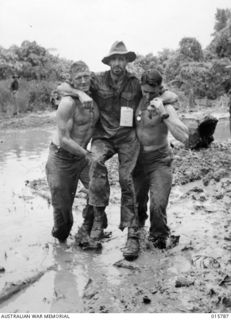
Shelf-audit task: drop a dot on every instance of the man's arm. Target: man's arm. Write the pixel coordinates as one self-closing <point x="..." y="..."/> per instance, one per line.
<point x="65" y="120"/>
<point x="169" y="97"/>
<point x="65" y="89"/>
<point x="177" y="128"/>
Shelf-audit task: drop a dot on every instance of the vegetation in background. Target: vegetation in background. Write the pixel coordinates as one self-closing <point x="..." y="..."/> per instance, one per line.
<point x="39" y="73"/>
<point x="32" y="95"/>
<point x="190" y="71"/>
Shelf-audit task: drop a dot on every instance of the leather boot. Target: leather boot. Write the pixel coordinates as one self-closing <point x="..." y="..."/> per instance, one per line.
<point x="158" y="242"/>
<point x="83" y="234"/>
<point x="98" y="224"/>
<point x="132" y="248"/>
<point x="96" y="233"/>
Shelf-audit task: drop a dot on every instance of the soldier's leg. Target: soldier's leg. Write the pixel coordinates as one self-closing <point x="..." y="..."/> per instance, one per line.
<point x="84" y="178"/>
<point x="99" y="190"/>
<point x="141" y="183"/>
<point x="128" y="154"/>
<point x="160" y="187"/>
<point x="82" y="236"/>
<point x="62" y="176"/>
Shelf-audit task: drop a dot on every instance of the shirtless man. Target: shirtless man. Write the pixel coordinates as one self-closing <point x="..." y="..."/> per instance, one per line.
<point x="153" y="170"/>
<point x="68" y="159"/>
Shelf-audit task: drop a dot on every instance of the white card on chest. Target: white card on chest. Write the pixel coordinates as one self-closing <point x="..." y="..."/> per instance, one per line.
<point x="126" y="117"/>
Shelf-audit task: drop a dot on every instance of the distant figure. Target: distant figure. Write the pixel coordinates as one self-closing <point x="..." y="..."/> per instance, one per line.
<point x="14" y="85"/>
<point x="14" y="89"/>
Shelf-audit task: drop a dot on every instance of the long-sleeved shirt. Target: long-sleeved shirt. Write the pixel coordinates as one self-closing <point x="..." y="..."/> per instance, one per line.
<point x="110" y="100"/>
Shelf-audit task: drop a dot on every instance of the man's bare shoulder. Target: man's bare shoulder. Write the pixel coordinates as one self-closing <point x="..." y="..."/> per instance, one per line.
<point x="67" y="100"/>
<point x="66" y="107"/>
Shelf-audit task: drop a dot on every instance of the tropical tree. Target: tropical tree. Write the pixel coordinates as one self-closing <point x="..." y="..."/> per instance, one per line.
<point x="222" y="17"/>
<point x="191" y="48"/>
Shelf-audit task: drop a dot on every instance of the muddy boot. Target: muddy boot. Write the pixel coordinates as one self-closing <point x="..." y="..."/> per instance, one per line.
<point x="98" y="224"/>
<point x="106" y="235"/>
<point x="92" y="245"/>
<point x="132" y="248"/>
<point x="158" y="242"/>
<point x="83" y="235"/>
<point x="97" y="230"/>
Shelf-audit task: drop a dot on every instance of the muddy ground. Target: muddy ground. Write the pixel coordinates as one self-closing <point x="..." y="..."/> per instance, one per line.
<point x="192" y="275"/>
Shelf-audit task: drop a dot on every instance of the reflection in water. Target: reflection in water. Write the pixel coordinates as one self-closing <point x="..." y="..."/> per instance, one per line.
<point x="23" y="144"/>
<point x="26" y="222"/>
<point x="66" y="295"/>
<point x="22" y="157"/>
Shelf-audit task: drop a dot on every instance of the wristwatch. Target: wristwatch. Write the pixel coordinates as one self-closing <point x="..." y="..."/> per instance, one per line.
<point x="164" y="116"/>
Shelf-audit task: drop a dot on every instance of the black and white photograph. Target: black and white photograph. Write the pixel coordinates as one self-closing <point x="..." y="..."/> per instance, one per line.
<point x="115" y="158"/>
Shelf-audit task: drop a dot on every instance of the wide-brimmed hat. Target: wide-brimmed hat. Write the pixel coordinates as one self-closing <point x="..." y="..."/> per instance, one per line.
<point x="119" y="48"/>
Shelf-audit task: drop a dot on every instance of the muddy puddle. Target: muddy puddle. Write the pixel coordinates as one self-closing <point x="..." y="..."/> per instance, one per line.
<point x="39" y="275"/>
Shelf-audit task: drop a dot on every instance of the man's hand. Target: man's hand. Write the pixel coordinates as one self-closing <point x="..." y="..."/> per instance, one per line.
<point x="65" y="89"/>
<point x="169" y="97"/>
<point x="85" y="99"/>
<point x="90" y="156"/>
<point x="156" y="107"/>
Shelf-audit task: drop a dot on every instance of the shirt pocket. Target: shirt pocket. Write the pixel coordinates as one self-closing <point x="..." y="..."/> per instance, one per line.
<point x="105" y="98"/>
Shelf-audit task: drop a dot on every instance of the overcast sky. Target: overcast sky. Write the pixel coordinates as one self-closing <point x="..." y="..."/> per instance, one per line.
<point x="85" y="29"/>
